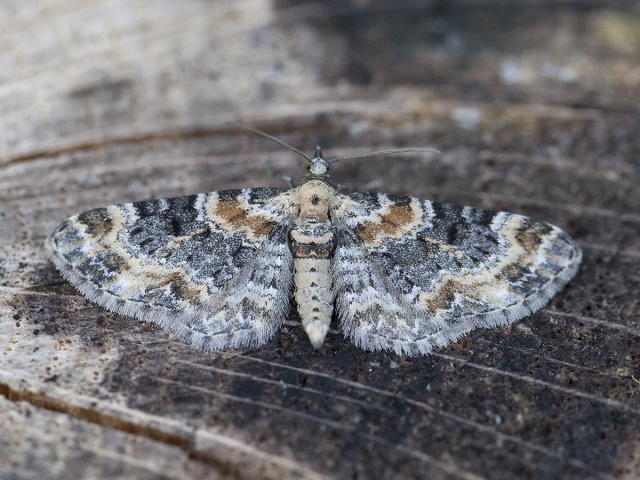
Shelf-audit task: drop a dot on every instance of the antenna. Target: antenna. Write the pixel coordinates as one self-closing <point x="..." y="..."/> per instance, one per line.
<point x="386" y="152"/>
<point x="395" y="151"/>
<point x="269" y="137"/>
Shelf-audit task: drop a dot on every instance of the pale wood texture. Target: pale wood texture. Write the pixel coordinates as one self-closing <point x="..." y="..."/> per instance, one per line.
<point x="536" y="112"/>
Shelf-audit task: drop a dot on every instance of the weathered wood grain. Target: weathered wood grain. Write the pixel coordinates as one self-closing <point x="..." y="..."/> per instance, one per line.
<point x="535" y="110"/>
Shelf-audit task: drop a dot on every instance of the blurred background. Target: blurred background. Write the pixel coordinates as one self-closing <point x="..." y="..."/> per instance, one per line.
<point x="535" y="107"/>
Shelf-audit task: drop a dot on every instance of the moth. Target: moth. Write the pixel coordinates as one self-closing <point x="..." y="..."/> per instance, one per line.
<point x="220" y="269"/>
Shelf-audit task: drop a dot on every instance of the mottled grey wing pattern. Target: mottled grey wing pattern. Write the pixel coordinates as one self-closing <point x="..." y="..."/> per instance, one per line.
<point x="412" y="275"/>
<point x="215" y="268"/>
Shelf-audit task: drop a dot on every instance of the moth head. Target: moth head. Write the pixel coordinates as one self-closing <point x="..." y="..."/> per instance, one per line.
<point x="318" y="166"/>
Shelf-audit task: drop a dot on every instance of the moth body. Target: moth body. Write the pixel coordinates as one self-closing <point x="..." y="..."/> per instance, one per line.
<point x="313" y="242"/>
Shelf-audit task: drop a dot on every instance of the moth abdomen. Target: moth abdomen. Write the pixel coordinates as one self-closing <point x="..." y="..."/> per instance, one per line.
<point x="312" y="244"/>
<point x="313" y="296"/>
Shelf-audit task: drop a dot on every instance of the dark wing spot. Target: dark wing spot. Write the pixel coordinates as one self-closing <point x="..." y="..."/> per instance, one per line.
<point x="176" y="227"/>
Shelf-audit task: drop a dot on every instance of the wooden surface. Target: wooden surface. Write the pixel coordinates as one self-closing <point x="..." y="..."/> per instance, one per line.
<point x="535" y="110"/>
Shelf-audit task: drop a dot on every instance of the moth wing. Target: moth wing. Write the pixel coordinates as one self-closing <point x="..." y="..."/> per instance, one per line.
<point x="412" y="275"/>
<point x="214" y="268"/>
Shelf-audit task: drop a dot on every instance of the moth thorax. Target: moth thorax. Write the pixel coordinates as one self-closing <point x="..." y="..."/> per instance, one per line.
<point x="314" y="200"/>
<point x="312" y="281"/>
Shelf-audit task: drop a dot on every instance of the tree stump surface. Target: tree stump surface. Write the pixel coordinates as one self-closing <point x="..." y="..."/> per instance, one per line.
<point x="536" y="112"/>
